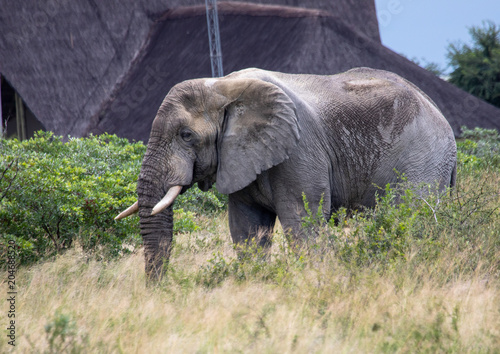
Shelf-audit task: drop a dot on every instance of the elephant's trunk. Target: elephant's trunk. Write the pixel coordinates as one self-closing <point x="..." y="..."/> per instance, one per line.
<point x="156" y="230"/>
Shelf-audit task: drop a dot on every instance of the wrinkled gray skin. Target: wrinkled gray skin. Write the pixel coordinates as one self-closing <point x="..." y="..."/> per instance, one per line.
<point x="268" y="137"/>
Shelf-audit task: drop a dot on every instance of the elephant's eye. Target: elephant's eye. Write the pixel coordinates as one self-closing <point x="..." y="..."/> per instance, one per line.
<point x="186" y="135"/>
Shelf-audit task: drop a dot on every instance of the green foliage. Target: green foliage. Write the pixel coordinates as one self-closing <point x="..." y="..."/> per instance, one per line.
<point x="382" y="234"/>
<point x="184" y="221"/>
<point x="62" y="335"/>
<point x="477" y="67"/>
<point x="420" y="226"/>
<point x="216" y="271"/>
<point x="479" y="148"/>
<point x="199" y="202"/>
<point x="55" y="193"/>
<point x="253" y="263"/>
<point x="312" y="222"/>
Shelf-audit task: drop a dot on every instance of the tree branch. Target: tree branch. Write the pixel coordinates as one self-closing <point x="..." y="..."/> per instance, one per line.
<point x="12" y="180"/>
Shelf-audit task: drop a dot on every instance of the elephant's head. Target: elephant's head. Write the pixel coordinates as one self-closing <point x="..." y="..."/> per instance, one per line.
<point x="227" y="130"/>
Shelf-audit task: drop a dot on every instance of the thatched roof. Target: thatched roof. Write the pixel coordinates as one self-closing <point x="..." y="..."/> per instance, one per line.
<point x="94" y="67"/>
<point x="65" y="57"/>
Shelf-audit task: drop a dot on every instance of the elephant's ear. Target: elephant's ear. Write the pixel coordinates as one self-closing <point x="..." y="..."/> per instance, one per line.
<point x="260" y="129"/>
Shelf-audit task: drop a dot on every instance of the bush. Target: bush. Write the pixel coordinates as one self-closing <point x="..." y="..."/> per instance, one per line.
<point x="479" y="148"/>
<point x="53" y="194"/>
<point x="184" y="221"/>
<point x="62" y="335"/>
<point x="199" y="202"/>
<point x="253" y="263"/>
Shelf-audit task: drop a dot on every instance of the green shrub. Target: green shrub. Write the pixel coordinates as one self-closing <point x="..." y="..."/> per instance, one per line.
<point x="382" y="233"/>
<point x="199" y="202"/>
<point x="62" y="335"/>
<point x="253" y="263"/>
<point x="184" y="221"/>
<point x="479" y="148"/>
<point x="55" y="193"/>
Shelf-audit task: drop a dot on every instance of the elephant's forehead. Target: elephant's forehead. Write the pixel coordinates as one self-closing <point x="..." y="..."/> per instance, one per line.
<point x="174" y="115"/>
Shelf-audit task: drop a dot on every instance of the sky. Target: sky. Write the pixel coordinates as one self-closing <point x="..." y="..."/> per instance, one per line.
<point x="424" y="28"/>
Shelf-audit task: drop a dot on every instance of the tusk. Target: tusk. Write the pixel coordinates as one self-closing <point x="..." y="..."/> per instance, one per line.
<point x="167" y="200"/>
<point x="134" y="208"/>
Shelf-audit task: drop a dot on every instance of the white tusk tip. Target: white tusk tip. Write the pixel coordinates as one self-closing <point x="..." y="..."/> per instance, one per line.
<point x="167" y="200"/>
<point x="134" y="208"/>
<point x="156" y="210"/>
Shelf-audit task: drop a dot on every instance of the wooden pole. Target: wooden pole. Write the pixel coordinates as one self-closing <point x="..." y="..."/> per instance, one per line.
<point x="20" y="118"/>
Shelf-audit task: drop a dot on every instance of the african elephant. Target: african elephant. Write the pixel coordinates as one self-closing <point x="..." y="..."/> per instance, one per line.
<point x="267" y="138"/>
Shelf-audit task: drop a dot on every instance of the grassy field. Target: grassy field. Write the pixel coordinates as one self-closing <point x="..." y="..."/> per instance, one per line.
<point x="423" y="276"/>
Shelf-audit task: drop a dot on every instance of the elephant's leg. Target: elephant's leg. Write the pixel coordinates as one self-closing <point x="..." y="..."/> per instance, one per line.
<point x="248" y="220"/>
<point x="292" y="212"/>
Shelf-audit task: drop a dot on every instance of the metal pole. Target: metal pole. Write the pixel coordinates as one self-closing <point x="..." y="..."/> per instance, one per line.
<point x="214" y="38"/>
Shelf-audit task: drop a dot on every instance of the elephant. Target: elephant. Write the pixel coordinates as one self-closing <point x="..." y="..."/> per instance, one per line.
<point x="267" y="139"/>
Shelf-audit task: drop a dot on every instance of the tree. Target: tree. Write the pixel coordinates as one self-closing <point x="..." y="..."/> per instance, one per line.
<point x="476" y="68"/>
<point x="427" y="65"/>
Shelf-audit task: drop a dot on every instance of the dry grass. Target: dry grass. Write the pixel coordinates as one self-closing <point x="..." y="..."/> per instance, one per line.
<point x="318" y="306"/>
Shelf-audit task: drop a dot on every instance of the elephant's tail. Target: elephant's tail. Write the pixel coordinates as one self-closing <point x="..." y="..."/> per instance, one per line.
<point x="453" y="176"/>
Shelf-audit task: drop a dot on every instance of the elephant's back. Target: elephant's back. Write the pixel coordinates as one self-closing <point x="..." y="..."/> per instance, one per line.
<point x="383" y="123"/>
<point x="366" y="101"/>
<point x="393" y="126"/>
<point x="359" y="100"/>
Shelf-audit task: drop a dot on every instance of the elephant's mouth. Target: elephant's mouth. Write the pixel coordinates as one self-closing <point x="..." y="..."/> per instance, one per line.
<point x="206" y="184"/>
